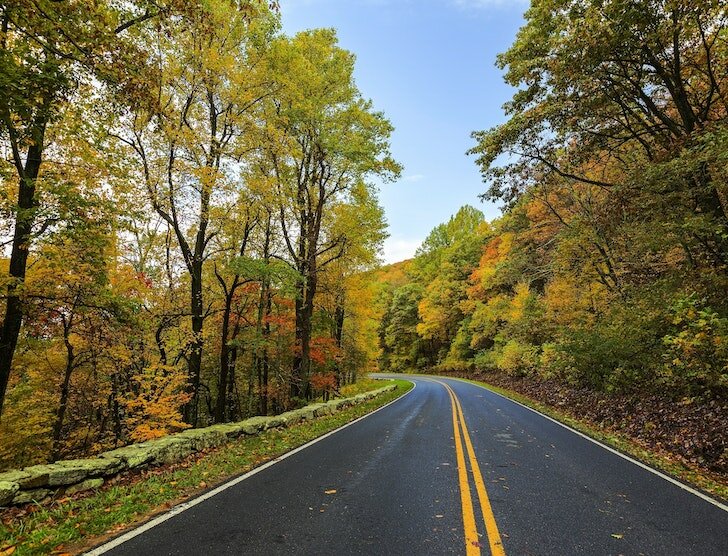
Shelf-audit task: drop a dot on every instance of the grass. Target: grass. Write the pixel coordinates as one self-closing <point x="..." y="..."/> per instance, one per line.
<point x="360" y="386"/>
<point x="69" y="526"/>
<point x="661" y="461"/>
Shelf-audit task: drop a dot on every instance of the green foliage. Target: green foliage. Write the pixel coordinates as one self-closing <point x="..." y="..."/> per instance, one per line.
<point x="402" y="348"/>
<point x="697" y="351"/>
<point x="515" y="358"/>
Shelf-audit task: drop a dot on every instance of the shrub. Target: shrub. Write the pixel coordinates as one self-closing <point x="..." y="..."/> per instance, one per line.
<point x="517" y="359"/>
<point x="696" y="354"/>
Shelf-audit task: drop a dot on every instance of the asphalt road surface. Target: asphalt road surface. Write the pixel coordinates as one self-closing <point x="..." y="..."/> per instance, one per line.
<point x="450" y="468"/>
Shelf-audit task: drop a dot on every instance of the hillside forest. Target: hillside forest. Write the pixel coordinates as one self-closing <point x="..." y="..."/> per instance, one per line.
<point x="186" y="194"/>
<point x="604" y="284"/>
<point x="191" y="227"/>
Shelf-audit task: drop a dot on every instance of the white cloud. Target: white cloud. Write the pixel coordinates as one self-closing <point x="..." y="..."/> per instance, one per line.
<point x="414" y="178"/>
<point x="399" y="249"/>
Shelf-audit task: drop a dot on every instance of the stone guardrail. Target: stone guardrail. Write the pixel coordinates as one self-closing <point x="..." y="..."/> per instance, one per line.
<point x="38" y="482"/>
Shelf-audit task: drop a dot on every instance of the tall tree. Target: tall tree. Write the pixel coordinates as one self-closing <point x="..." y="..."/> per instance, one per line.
<point x="608" y="88"/>
<point x="328" y="140"/>
<point x="47" y="49"/>
<point x="188" y="148"/>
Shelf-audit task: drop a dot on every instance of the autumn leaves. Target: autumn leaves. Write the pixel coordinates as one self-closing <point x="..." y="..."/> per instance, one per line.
<point x="189" y="236"/>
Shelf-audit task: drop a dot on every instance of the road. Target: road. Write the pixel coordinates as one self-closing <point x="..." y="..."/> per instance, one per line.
<point x="402" y="481"/>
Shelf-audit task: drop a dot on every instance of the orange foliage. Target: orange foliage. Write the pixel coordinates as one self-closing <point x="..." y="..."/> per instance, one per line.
<point x="323" y="382"/>
<point x="154" y="409"/>
<point x="324" y="350"/>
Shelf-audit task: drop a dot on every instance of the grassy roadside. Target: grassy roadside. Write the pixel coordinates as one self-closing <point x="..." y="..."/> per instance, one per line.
<point x="71" y="525"/>
<point x="662" y="461"/>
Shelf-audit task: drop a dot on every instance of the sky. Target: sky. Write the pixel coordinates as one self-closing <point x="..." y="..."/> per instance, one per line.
<point x="429" y="65"/>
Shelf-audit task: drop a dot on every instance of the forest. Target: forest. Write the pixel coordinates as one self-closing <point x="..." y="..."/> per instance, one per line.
<point x="608" y="270"/>
<point x="191" y="227"/>
<point x="187" y="202"/>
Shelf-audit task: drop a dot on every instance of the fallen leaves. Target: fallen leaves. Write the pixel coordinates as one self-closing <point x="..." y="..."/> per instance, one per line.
<point x="330" y="491"/>
<point x="617" y="535"/>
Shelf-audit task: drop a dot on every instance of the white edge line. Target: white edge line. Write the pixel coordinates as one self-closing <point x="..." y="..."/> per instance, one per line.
<point x="191" y="503"/>
<point x="608" y="448"/>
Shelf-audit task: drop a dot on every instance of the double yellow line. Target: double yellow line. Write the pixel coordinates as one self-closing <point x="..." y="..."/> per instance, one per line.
<point x="472" y="541"/>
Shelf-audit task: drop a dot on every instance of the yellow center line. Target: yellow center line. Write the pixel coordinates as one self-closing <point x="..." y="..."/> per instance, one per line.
<point x="472" y="544"/>
<point x="494" y="539"/>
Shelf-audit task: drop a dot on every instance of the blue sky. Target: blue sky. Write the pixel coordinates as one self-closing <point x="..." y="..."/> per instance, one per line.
<point x="430" y="66"/>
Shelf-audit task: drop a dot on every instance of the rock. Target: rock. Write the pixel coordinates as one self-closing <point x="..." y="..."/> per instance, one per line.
<point x="28" y="496"/>
<point x="88" y="484"/>
<point x="341" y="404"/>
<point x="289" y="418"/>
<point x="17" y="476"/>
<point x="312" y="407"/>
<point x="333" y="406"/>
<point x="296" y="416"/>
<point x="319" y="409"/>
<point x="254" y="425"/>
<point x="7" y="492"/>
<point x="202" y="439"/>
<point x="230" y="430"/>
<point x="37" y="476"/>
<point x="275" y="422"/>
<point x="170" y="449"/>
<point x="95" y="467"/>
<point x="70" y="472"/>
<point x="134" y="455"/>
<point x="63" y="475"/>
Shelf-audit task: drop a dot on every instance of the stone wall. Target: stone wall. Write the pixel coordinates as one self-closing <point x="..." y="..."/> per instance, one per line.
<point x="35" y="483"/>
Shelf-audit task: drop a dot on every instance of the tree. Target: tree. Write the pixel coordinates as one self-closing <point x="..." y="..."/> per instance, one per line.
<point x="326" y="140"/>
<point x="607" y="88"/>
<point x="47" y="50"/>
<point x="442" y="266"/>
<point x="188" y="146"/>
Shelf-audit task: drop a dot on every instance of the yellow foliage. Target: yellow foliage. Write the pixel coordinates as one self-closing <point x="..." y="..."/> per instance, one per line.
<point x="516" y="358"/>
<point x="518" y="302"/>
<point x="568" y="301"/>
<point x="495" y="252"/>
<point x="154" y="408"/>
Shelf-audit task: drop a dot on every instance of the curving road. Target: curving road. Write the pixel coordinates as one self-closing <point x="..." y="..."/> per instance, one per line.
<point x="450" y="468"/>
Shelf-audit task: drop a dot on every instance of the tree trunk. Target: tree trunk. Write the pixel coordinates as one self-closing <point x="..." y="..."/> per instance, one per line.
<point x="194" y="365"/>
<point x="222" y="383"/>
<point x="266" y="361"/>
<point x="297" y="375"/>
<point x="24" y="220"/>
<point x="339" y="316"/>
<point x="300" y="386"/>
<point x="63" y="403"/>
<point x="261" y="361"/>
<point x="233" y="398"/>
